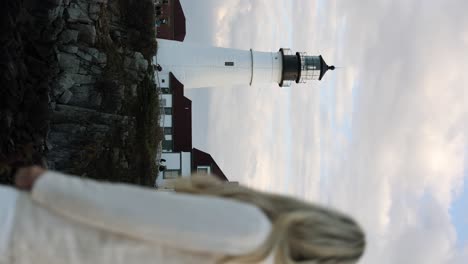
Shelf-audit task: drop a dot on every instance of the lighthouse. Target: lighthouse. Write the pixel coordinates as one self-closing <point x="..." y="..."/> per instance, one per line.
<point x="197" y="66"/>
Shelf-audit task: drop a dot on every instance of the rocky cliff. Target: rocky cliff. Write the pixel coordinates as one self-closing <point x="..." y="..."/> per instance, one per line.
<point x="78" y="91"/>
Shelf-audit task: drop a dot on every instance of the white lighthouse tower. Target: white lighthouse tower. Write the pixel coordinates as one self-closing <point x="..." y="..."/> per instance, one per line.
<point x="198" y="66"/>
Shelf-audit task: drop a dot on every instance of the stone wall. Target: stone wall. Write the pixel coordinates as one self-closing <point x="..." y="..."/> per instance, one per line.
<point x="93" y="80"/>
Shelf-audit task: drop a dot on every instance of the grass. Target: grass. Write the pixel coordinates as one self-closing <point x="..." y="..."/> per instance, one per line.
<point x="148" y="132"/>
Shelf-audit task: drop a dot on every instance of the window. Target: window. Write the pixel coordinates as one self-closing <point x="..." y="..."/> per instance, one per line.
<point x="165" y="90"/>
<point x="168" y="131"/>
<point x="167" y="145"/>
<point x="171" y="174"/>
<point x="229" y="63"/>
<point x="204" y="170"/>
<point x="163" y="80"/>
<point x="163" y="102"/>
<point x="168" y="110"/>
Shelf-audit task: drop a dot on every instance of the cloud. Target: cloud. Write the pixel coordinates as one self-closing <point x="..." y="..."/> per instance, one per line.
<point x="408" y="135"/>
<point x="384" y="138"/>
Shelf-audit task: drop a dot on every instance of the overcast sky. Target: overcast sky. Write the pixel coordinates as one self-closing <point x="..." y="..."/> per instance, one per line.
<point x="384" y="138"/>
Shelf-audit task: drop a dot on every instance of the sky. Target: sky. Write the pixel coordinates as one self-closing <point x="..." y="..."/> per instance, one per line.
<point x="384" y="138"/>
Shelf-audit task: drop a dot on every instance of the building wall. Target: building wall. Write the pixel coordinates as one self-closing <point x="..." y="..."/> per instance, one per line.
<point x="162" y="78"/>
<point x="186" y="164"/>
<point x="173" y="160"/>
<point x="175" y="27"/>
<point x="182" y="117"/>
<point x="167" y="114"/>
<point x="166" y="31"/>
<point x="167" y="121"/>
<point x="178" y="164"/>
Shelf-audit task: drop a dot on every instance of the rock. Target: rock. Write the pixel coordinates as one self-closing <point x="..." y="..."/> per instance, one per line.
<point x="96" y="100"/>
<point x="97" y="56"/>
<point x="85" y="65"/>
<point x="101" y="58"/>
<point x="64" y="82"/>
<point x="50" y="33"/>
<point x="115" y="155"/>
<point x="134" y="75"/>
<point x="54" y="2"/>
<point x="81" y="95"/>
<point x="68" y="62"/>
<point x="136" y="66"/>
<point x="49" y="145"/>
<point x="84" y="56"/>
<point x="83" y="4"/>
<point x="87" y="34"/>
<point x="52" y="106"/>
<point x="96" y="70"/>
<point x="85" y="96"/>
<point x="65" y="97"/>
<point x="91" y="51"/>
<point x="68" y="36"/>
<point x="141" y="62"/>
<point x="83" y="79"/>
<point x="55" y="13"/>
<point x="116" y="37"/>
<point x="133" y="89"/>
<point x="68" y="48"/>
<point x="73" y="13"/>
<point x="127" y="62"/>
<point x="94" y="10"/>
<point x="83" y="70"/>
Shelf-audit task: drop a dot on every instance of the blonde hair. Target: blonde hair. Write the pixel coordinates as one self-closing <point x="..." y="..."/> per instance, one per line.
<point x="302" y="232"/>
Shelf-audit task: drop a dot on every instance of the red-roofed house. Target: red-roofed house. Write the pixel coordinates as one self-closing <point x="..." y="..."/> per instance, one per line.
<point x="181" y="159"/>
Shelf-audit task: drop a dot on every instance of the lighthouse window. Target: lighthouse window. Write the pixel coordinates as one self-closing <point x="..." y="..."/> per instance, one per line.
<point x="229" y="63"/>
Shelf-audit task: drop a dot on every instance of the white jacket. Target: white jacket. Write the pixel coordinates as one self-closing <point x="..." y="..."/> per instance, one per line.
<point x="71" y="220"/>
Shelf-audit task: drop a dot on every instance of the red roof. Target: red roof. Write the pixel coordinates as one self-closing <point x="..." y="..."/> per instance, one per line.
<point x="182" y="130"/>
<point x="201" y="158"/>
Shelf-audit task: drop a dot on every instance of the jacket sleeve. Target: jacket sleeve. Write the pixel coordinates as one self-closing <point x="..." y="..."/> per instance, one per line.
<point x="190" y="222"/>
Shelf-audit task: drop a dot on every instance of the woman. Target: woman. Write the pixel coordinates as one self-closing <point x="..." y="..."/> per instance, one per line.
<point x="65" y="219"/>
